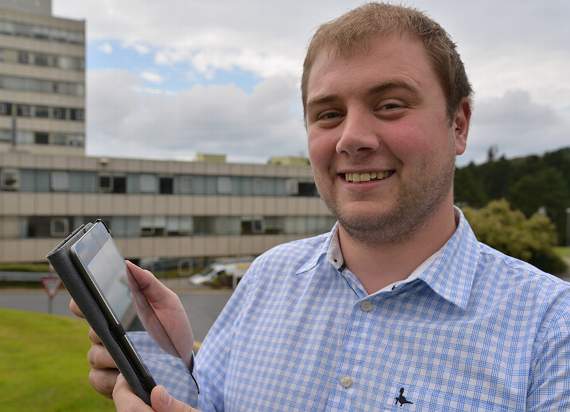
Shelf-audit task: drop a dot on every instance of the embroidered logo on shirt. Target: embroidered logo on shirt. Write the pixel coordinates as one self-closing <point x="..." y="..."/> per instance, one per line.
<point x="402" y="399"/>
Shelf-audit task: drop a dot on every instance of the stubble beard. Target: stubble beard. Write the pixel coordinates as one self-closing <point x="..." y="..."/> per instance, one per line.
<point x="416" y="203"/>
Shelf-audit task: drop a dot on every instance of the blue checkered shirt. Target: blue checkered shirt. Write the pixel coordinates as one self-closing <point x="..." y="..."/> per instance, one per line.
<point x="471" y="330"/>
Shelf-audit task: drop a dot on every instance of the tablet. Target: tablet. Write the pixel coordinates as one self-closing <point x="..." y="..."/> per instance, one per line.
<point x="95" y="274"/>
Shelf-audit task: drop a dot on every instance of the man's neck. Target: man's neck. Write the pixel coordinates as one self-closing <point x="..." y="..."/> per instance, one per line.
<point x="379" y="264"/>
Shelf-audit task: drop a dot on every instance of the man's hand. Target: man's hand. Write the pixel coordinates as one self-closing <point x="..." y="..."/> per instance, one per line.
<point x="165" y="304"/>
<point x="161" y="311"/>
<point x="104" y="372"/>
<point x="126" y="401"/>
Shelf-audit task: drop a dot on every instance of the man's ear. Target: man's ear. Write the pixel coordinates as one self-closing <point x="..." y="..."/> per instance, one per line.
<point x="460" y="125"/>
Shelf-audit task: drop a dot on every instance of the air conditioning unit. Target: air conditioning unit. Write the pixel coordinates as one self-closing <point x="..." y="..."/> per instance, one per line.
<point x="10" y="179"/>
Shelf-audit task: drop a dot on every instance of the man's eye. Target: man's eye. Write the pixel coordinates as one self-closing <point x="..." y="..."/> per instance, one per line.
<point x="390" y="106"/>
<point x="328" y="115"/>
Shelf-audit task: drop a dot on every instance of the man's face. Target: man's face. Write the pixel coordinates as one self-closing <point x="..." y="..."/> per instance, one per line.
<point x="381" y="145"/>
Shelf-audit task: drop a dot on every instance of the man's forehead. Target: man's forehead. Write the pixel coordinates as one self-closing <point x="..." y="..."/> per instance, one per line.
<point x="399" y="60"/>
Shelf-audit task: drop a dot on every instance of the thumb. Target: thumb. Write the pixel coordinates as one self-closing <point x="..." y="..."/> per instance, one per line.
<point x="154" y="291"/>
<point x="162" y="401"/>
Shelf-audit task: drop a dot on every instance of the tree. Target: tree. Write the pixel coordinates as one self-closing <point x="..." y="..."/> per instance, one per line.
<point x="529" y="239"/>
<point x="543" y="188"/>
<point x="469" y="188"/>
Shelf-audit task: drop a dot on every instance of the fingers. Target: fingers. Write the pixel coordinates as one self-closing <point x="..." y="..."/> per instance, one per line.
<point x="162" y="402"/>
<point x="155" y="292"/>
<point x="99" y="358"/>
<point x="94" y="338"/>
<point x="103" y="380"/>
<point x="75" y="309"/>
<point x="125" y="400"/>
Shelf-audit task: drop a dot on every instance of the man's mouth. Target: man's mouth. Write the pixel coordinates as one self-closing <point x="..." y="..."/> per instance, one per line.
<point x="367" y="176"/>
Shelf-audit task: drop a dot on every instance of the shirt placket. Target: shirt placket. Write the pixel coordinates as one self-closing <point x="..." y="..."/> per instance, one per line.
<point x="346" y="380"/>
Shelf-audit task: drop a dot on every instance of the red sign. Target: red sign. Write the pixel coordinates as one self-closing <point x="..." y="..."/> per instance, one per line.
<point x="51" y="284"/>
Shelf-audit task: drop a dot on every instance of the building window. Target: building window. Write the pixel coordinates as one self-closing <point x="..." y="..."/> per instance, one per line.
<point x="59" y="227"/>
<point x="42" y="111"/>
<point x="183" y="184"/>
<point x="60" y="181"/>
<point x="153" y="226"/>
<point x="119" y="184"/>
<point x="39" y="227"/>
<point x="59" y="139"/>
<point x="23" y="57"/>
<point x="42" y="60"/>
<point x="75" y="140"/>
<point x="147" y="183"/>
<point x="224" y="185"/>
<point x="5" y="109"/>
<point x="274" y="225"/>
<point x="105" y="183"/>
<point x="251" y="225"/>
<point x="59" y="113"/>
<point x="41" y="138"/>
<point x="5" y="135"/>
<point x="307" y="189"/>
<point x="77" y="114"/>
<point x="166" y="185"/>
<point x="24" y="110"/>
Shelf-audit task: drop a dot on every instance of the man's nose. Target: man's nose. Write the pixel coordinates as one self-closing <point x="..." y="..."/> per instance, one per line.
<point x="358" y="136"/>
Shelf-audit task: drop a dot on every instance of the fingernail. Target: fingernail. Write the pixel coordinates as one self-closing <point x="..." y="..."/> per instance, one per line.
<point x="164" y="396"/>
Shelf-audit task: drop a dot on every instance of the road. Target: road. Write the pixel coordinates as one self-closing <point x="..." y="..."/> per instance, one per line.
<point x="203" y="305"/>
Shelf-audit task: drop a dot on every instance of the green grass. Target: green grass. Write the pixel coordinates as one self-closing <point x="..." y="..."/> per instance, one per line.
<point x="43" y="364"/>
<point x="563" y="251"/>
<point x="24" y="267"/>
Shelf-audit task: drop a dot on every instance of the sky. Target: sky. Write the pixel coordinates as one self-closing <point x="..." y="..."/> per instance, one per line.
<point x="168" y="79"/>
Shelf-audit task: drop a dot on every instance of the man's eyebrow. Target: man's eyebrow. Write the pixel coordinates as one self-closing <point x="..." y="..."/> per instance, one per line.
<point x="322" y="99"/>
<point x="377" y="89"/>
<point x="392" y="85"/>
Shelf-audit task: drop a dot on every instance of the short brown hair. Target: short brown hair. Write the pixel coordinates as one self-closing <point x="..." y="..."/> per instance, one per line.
<point x="351" y="31"/>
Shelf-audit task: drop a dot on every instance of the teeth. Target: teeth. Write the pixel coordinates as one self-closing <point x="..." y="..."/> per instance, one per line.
<point x="366" y="177"/>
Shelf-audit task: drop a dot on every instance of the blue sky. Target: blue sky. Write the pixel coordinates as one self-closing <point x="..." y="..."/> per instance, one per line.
<point x="176" y="77"/>
<point x="170" y="80"/>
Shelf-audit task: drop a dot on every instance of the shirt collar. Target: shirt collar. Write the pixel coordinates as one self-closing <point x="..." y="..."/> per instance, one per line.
<point x="451" y="275"/>
<point x="449" y="272"/>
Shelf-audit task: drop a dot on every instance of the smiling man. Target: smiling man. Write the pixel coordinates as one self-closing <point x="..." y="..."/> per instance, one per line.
<point x="399" y="297"/>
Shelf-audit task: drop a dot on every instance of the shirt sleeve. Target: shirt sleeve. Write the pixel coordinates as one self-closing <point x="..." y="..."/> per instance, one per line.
<point x="212" y="360"/>
<point x="549" y="388"/>
<point x="166" y="370"/>
<point x="203" y="387"/>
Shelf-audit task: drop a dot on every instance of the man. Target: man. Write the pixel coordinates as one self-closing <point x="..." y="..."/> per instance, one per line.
<point x="399" y="297"/>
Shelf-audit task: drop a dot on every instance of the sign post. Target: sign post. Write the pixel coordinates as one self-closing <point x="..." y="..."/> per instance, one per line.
<point x="51" y="285"/>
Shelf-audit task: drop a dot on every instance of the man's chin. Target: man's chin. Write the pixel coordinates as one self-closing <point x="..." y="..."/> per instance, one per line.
<point x="377" y="227"/>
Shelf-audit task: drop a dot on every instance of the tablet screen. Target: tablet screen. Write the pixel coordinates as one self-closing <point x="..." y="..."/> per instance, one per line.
<point x="99" y="255"/>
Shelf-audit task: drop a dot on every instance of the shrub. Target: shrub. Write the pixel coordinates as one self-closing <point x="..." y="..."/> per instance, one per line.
<point x="529" y="239"/>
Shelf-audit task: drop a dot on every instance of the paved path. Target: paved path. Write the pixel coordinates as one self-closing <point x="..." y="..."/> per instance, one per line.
<point x="203" y="305"/>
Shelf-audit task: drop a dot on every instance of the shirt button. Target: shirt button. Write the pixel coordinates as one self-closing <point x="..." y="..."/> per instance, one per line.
<point x="346" y="382"/>
<point x="366" y="306"/>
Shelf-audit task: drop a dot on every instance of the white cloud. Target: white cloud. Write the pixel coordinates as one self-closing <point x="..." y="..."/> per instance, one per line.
<point x="141" y="49"/>
<point x="517" y="125"/>
<point x="152" y="77"/>
<point x="204" y="119"/>
<point x="106" y="48"/>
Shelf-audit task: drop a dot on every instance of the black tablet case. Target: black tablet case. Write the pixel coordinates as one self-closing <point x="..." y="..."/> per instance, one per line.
<point x="61" y="261"/>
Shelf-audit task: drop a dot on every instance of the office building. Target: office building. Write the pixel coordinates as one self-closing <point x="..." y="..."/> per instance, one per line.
<point x="156" y="209"/>
<point x="42" y="80"/>
<point x="186" y="212"/>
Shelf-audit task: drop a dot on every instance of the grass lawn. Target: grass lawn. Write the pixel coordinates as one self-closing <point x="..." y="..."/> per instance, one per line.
<point x="43" y="364"/>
